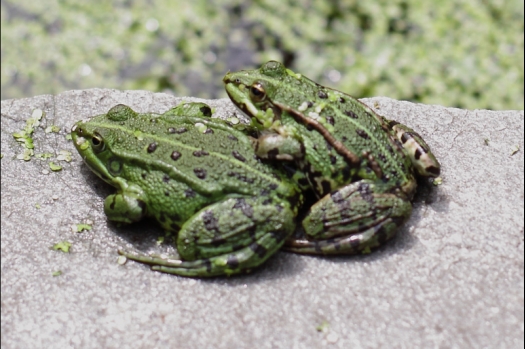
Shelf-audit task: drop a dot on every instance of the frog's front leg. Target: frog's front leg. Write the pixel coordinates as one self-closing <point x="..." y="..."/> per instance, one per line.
<point x="127" y="206"/>
<point x="352" y="219"/>
<point x="228" y="237"/>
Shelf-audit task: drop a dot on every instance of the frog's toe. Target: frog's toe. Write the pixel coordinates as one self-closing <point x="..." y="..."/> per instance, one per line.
<point x="362" y="242"/>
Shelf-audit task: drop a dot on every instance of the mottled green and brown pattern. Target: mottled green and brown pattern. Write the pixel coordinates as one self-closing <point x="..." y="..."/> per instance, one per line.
<point x="360" y="165"/>
<point x="196" y="176"/>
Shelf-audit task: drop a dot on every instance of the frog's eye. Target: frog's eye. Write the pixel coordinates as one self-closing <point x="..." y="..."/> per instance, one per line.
<point x="97" y="142"/>
<point x="257" y="92"/>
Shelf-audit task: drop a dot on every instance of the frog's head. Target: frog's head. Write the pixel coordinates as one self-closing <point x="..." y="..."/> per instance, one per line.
<point x="92" y="137"/>
<point x="254" y="92"/>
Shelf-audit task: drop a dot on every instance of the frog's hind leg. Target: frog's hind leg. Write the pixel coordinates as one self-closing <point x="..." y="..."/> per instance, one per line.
<point x="419" y="152"/>
<point x="228" y="237"/>
<point x="350" y="220"/>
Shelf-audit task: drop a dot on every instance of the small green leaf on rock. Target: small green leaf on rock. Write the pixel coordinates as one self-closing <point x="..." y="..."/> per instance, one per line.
<point x="437" y="181"/>
<point x="55" y="167"/>
<point x="53" y="128"/>
<point x="323" y="327"/>
<point x="37" y="205"/>
<point x="64" y="155"/>
<point x="44" y="155"/>
<point x="57" y="273"/>
<point x="62" y="246"/>
<point x="78" y="228"/>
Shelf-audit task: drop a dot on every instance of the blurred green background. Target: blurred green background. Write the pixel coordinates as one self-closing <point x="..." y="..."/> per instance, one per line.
<point x="457" y="53"/>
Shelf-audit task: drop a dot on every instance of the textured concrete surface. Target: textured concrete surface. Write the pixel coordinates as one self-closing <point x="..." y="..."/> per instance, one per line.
<point x="453" y="277"/>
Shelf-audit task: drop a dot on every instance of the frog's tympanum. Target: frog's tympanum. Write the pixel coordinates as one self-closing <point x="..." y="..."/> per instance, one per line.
<point x="360" y="165"/>
<point x="196" y="176"/>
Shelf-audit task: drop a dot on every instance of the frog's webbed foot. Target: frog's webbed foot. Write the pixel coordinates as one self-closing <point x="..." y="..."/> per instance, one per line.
<point x="240" y="261"/>
<point x="213" y="243"/>
<point x="353" y="219"/>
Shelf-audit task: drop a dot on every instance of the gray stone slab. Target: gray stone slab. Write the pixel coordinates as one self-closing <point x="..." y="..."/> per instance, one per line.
<point x="452" y="278"/>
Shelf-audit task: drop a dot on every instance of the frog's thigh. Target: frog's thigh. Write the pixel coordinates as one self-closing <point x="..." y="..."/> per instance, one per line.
<point x="127" y="207"/>
<point x="350" y="220"/>
<point x="230" y="236"/>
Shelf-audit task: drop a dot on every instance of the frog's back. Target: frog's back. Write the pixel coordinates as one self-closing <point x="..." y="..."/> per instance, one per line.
<point x="350" y="122"/>
<point x="208" y="156"/>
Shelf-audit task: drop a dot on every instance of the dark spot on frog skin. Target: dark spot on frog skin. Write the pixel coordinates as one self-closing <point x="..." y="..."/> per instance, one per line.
<point x="205" y="110"/>
<point x="350" y="114"/>
<point x="362" y="134"/>
<point x="346" y="173"/>
<point x="175" y="155"/>
<point x="166" y="193"/>
<point x="189" y="193"/>
<point x="273" y="186"/>
<point x="199" y="153"/>
<point x="246" y="209"/>
<point x="232" y="261"/>
<point x="419" y="151"/>
<point x="264" y="192"/>
<point x="382" y="157"/>
<point x="303" y="181"/>
<point x="330" y="120"/>
<point x="342" y="100"/>
<point x="364" y="190"/>
<point x="207" y="263"/>
<point x="208" y="131"/>
<point x="326" y="187"/>
<point x="152" y="147"/>
<point x="258" y="249"/>
<point x="333" y="159"/>
<point x="272" y="154"/>
<point x="309" y="104"/>
<point x="405" y="137"/>
<point x="144" y="175"/>
<point x="434" y="170"/>
<point x="200" y="172"/>
<point x="233" y="138"/>
<point x="238" y="156"/>
<point x="344" y="139"/>
<point x="166" y="178"/>
<point x="210" y="222"/>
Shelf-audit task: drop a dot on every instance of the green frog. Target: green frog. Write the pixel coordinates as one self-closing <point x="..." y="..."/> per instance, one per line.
<point x="360" y="166"/>
<point x="196" y="176"/>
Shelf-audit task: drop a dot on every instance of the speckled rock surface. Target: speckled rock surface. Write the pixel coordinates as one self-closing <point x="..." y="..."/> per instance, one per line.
<point x="452" y="278"/>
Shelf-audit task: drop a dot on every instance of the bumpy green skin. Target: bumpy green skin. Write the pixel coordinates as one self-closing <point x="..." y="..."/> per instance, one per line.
<point x="195" y="176"/>
<point x="360" y="165"/>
